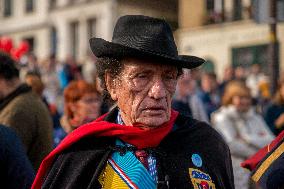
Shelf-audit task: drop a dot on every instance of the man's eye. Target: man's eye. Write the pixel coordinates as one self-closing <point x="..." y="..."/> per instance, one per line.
<point x="141" y="76"/>
<point x="169" y="77"/>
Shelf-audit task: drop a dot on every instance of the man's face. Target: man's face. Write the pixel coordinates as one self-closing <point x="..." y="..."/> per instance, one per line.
<point x="143" y="91"/>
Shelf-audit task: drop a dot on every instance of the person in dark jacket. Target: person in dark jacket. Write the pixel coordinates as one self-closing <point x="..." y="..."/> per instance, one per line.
<point x="16" y="170"/>
<point x="141" y="142"/>
<point x="22" y="110"/>
<point x="274" y="114"/>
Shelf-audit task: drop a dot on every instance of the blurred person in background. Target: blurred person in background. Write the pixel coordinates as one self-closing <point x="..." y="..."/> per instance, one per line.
<point x="50" y="78"/>
<point x="196" y="74"/>
<point x="24" y="111"/>
<point x="209" y="93"/>
<point x="255" y="76"/>
<point x="264" y="96"/>
<point x="82" y="104"/>
<point x="243" y="129"/>
<point x="16" y="170"/>
<point x="186" y="100"/>
<point x="253" y="80"/>
<point x="28" y="63"/>
<point x="240" y="73"/>
<point x="69" y="71"/>
<point x="227" y="77"/>
<point x="34" y="80"/>
<point x="274" y="114"/>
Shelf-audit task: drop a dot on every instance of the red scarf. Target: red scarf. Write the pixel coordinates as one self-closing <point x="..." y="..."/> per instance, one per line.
<point x="132" y="135"/>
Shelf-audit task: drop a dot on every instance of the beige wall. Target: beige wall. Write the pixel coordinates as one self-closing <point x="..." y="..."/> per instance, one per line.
<point x="216" y="42"/>
<point x="158" y="8"/>
<point x="191" y="13"/>
<point x="102" y="11"/>
<point x="39" y="23"/>
<point x="22" y="25"/>
<point x="22" y="21"/>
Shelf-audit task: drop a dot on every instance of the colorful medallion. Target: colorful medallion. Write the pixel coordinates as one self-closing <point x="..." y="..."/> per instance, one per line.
<point x="196" y="160"/>
<point x="200" y="180"/>
<point x="126" y="171"/>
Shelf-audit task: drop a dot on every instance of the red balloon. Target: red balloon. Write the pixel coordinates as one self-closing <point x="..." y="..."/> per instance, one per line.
<point x="24" y="47"/>
<point x="16" y="54"/>
<point x="0" y="43"/>
<point x="7" y="44"/>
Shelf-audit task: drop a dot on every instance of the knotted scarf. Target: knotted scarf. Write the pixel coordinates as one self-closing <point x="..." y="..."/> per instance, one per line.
<point x="130" y="134"/>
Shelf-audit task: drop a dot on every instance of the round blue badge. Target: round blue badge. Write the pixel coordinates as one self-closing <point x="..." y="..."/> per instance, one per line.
<point x="196" y="160"/>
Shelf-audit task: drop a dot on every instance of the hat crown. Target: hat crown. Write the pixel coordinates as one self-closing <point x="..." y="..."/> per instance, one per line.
<point x="145" y="33"/>
<point x="143" y="37"/>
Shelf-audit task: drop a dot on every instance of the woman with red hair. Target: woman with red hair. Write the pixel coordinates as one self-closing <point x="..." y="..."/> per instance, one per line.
<point x="82" y="104"/>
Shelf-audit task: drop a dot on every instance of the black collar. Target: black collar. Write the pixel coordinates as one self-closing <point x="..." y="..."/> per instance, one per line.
<point x="112" y="115"/>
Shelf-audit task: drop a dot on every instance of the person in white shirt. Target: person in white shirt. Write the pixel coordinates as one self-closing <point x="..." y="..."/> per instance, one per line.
<point x="242" y="128"/>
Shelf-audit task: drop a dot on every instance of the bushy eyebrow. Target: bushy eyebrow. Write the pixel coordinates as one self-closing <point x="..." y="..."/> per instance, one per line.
<point x="145" y="69"/>
<point x="136" y="71"/>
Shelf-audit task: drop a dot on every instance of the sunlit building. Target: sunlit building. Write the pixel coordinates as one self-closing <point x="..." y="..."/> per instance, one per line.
<point x="63" y="27"/>
<point x="226" y="32"/>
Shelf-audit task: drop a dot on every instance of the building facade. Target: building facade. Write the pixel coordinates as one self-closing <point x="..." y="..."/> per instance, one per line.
<point x="226" y="33"/>
<point x="64" y="27"/>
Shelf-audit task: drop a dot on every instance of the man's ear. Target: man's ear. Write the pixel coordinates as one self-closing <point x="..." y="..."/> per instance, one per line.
<point x="111" y="86"/>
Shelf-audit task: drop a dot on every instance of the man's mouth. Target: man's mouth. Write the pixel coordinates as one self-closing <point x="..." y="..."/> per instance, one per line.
<point x="154" y="110"/>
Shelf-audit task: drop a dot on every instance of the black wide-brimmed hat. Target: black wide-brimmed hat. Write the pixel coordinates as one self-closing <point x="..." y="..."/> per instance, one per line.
<point x="143" y="37"/>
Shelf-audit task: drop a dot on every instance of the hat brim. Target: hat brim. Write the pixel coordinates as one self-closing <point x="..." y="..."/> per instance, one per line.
<point x="103" y="48"/>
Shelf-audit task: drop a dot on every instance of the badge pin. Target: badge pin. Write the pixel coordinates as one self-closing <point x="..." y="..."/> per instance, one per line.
<point x="200" y="179"/>
<point x="196" y="160"/>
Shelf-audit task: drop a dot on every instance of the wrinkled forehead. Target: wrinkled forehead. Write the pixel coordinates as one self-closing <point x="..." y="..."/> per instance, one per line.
<point x="131" y="64"/>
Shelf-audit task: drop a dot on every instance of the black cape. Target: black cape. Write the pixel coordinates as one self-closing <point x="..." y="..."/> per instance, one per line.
<point x="80" y="165"/>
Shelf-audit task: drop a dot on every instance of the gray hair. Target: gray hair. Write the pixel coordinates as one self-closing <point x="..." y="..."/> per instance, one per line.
<point x="112" y="66"/>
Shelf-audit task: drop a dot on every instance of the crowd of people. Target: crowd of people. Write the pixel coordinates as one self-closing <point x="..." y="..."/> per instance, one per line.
<point x="44" y="101"/>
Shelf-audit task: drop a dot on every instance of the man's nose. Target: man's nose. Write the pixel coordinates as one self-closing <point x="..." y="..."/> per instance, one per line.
<point x="157" y="90"/>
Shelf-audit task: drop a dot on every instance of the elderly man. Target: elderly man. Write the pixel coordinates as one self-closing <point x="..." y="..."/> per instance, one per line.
<point x="142" y="143"/>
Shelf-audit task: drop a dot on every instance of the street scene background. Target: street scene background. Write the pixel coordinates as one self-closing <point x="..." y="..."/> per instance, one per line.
<point x="241" y="40"/>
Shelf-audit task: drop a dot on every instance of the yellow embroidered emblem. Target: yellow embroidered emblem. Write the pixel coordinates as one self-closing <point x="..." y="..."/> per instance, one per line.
<point x="110" y="179"/>
<point x="200" y="180"/>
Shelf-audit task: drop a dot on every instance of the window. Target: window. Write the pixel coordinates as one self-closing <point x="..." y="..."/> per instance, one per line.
<point x="31" y="42"/>
<point x="237" y="14"/>
<point x="52" y="4"/>
<point x="8" y="8"/>
<point x="53" y="41"/>
<point x="91" y="27"/>
<point x="29" y="6"/>
<point x="72" y="2"/>
<point x="246" y="56"/>
<point x="215" y="11"/>
<point x="74" y="31"/>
